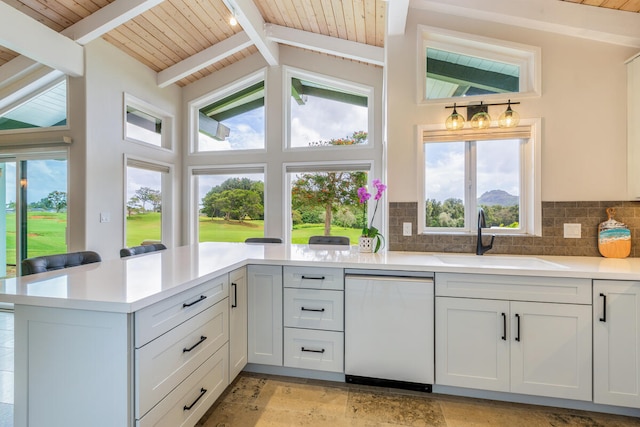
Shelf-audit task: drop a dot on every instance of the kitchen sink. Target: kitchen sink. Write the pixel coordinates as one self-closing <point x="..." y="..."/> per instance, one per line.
<point x="492" y="261"/>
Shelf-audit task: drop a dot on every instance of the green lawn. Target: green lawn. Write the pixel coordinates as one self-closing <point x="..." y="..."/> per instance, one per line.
<point x="46" y="234"/>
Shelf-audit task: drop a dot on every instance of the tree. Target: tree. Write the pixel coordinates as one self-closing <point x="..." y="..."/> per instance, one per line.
<point x="237" y="204"/>
<point x="329" y="190"/>
<point x="56" y="200"/>
<point x="146" y="194"/>
<point x="212" y="203"/>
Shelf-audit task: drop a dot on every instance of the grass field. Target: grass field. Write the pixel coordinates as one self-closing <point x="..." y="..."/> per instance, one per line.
<point x="47" y="232"/>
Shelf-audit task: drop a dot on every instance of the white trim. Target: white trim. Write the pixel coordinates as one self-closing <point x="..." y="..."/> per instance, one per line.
<point x="334" y="82"/>
<point x="166" y="140"/>
<point x="528" y="58"/>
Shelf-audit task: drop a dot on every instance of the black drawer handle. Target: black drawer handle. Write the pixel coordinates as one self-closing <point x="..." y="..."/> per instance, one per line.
<point x="518" y="329"/>
<point x="202" y="392"/>
<point x="313" y="277"/>
<point x="321" y="310"/>
<point x="234" y="304"/>
<point x="202" y="298"/>
<point x="310" y="350"/>
<point x="202" y="338"/>
<point x="504" y="326"/>
<point x="604" y="308"/>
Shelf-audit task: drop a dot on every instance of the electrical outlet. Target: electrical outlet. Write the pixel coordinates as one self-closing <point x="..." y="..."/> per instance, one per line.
<point x="105" y="217"/>
<point x="572" y="231"/>
<point x="406" y="229"/>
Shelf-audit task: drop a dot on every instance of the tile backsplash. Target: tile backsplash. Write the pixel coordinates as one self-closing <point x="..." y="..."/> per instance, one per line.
<point x="552" y="242"/>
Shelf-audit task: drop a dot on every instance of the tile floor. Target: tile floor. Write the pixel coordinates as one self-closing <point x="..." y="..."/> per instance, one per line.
<point x="264" y="400"/>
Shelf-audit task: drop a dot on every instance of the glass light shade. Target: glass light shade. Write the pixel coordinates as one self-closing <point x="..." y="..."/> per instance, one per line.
<point x="509" y="118"/>
<point x="455" y="121"/>
<point x="481" y="120"/>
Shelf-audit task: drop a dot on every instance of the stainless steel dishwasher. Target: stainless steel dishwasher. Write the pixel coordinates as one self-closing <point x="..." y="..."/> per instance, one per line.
<point x="389" y="328"/>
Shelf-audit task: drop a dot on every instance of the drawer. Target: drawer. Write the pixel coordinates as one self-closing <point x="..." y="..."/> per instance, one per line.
<point x="311" y="349"/>
<point x="166" y="361"/>
<point x="188" y="402"/>
<point x="314" y="309"/>
<point x="518" y="288"/>
<point x="155" y="320"/>
<point x="313" y="277"/>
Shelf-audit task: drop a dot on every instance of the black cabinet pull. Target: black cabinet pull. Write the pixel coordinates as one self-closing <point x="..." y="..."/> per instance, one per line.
<point x="313" y="277"/>
<point x="310" y="350"/>
<point x="202" y="298"/>
<point x="504" y="326"/>
<point x="234" y="304"/>
<point x="604" y="308"/>
<point x="321" y="310"/>
<point x="518" y="329"/>
<point x="188" y="407"/>
<point x="202" y="338"/>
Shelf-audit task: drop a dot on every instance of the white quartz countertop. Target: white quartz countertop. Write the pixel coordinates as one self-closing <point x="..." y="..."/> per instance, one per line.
<point x="129" y="284"/>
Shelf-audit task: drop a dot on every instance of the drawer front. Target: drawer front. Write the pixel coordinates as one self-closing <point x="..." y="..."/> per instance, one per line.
<point x="517" y="288"/>
<point x="166" y="361"/>
<point x="155" y="320"/>
<point x="314" y="309"/>
<point x="311" y="349"/>
<point x="313" y="278"/>
<point x="188" y="402"/>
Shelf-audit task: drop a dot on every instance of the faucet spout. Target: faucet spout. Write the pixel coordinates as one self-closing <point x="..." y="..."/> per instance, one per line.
<point x="482" y="223"/>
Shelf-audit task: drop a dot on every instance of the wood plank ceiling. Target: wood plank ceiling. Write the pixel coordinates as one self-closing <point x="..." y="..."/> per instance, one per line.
<point x="175" y="30"/>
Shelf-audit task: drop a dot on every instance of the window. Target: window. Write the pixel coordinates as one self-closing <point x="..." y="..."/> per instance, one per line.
<point x="46" y="109"/>
<point x="462" y="65"/>
<point x="146" y="199"/>
<point x="496" y="170"/>
<point x="231" y="119"/>
<point x="230" y="203"/>
<point x="146" y="124"/>
<point x="324" y="201"/>
<point x="327" y="113"/>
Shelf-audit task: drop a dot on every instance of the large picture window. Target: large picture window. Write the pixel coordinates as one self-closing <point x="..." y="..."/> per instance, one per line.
<point x="327" y="113"/>
<point x="493" y="170"/>
<point x="45" y="109"/>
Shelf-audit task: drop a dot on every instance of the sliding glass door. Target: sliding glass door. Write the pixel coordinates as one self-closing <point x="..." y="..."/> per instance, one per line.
<point x="33" y="208"/>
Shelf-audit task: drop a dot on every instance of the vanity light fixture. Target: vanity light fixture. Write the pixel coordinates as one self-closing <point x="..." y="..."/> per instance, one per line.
<point x="480" y="118"/>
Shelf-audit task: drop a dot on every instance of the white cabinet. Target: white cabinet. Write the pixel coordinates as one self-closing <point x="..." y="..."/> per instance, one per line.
<point x="633" y="127"/>
<point x="616" y="339"/>
<point x="237" y="321"/>
<point x="314" y="318"/>
<point x="264" y="291"/>
<point x="528" y="347"/>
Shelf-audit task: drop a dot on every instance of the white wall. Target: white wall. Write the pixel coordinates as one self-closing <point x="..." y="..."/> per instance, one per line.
<point x="109" y="74"/>
<point x="583" y="109"/>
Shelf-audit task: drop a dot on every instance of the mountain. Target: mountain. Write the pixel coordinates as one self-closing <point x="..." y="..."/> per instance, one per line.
<point x="497" y="197"/>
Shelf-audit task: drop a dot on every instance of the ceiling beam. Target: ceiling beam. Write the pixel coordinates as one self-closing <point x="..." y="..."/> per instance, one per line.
<point x="560" y="17"/>
<point x="251" y="21"/>
<point x="28" y="37"/>
<point x="203" y="59"/>
<point x="397" y="11"/>
<point x="326" y="44"/>
<point x="107" y="18"/>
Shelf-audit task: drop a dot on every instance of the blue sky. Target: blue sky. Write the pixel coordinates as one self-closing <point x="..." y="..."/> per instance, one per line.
<point x="44" y="176"/>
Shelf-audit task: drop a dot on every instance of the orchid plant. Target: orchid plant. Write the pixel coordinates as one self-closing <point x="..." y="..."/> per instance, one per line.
<point x="364" y="197"/>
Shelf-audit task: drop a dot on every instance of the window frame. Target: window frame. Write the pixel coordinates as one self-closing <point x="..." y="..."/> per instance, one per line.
<point x="530" y="182"/>
<point x="231" y="169"/>
<point x="166" y="140"/>
<point x="196" y="104"/>
<point x="167" y="171"/>
<point x="528" y="58"/>
<point x="347" y="86"/>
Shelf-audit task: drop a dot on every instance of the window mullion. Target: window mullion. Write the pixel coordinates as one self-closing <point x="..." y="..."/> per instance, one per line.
<point x="471" y="185"/>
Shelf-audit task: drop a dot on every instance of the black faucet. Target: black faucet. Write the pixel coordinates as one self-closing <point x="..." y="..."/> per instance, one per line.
<point x="482" y="223"/>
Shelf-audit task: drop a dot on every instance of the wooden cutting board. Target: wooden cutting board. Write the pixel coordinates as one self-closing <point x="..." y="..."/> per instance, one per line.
<point x="614" y="238"/>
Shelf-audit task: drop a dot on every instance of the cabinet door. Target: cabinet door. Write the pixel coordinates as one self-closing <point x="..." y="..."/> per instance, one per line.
<point x="551" y="350"/>
<point x="237" y="321"/>
<point x="616" y="347"/>
<point x="265" y="314"/>
<point x="472" y="343"/>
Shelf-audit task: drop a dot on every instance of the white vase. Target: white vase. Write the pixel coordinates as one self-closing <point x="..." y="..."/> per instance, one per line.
<point x="365" y="244"/>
